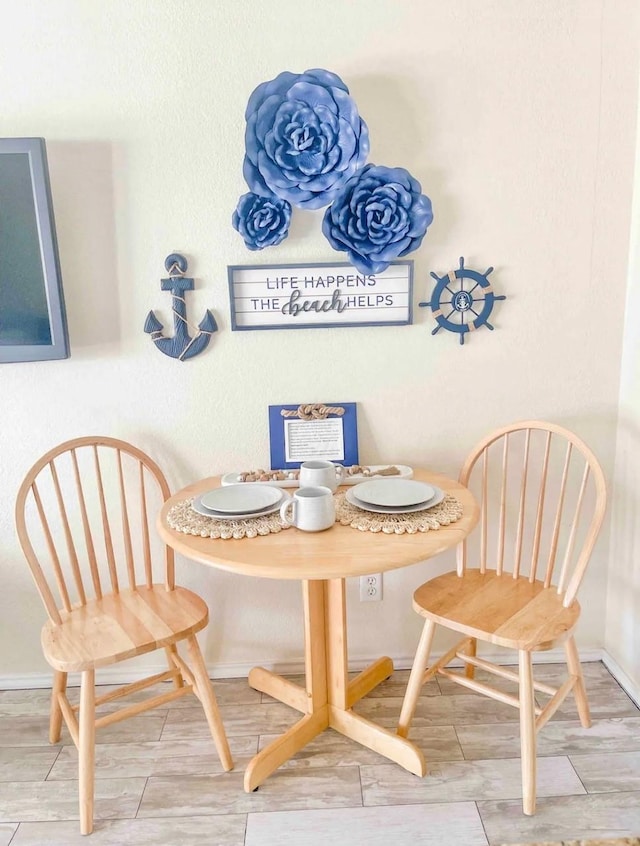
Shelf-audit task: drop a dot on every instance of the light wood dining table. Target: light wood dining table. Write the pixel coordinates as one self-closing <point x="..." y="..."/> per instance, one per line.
<point x="322" y="561"/>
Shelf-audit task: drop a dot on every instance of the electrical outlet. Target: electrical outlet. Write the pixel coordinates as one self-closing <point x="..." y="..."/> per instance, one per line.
<point x="371" y="588"/>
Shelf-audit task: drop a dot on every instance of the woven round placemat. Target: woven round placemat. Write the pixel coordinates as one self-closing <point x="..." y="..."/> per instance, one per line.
<point x="182" y="518"/>
<point x="446" y="512"/>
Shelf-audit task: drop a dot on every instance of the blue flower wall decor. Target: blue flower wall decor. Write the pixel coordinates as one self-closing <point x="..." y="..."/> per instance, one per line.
<point x="262" y="221"/>
<point x="306" y="146"/>
<point x="304" y="138"/>
<point x="379" y="215"/>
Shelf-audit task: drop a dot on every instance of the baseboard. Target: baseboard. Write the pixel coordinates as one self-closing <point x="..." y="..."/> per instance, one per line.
<point x="120" y="674"/>
<point x="626" y="682"/>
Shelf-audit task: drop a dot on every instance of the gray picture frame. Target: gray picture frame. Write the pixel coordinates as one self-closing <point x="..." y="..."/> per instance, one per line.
<point x="324" y="316"/>
<point x="41" y="253"/>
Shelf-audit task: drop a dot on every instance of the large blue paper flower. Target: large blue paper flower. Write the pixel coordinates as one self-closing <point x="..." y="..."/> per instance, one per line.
<point x="379" y="215"/>
<point x="304" y="138"/>
<point x="262" y="221"/>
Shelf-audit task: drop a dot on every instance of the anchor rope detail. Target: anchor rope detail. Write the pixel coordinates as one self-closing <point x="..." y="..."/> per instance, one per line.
<point x="177" y="314"/>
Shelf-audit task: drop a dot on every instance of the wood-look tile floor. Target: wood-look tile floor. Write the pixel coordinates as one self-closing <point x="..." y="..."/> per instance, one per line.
<point x="159" y="781"/>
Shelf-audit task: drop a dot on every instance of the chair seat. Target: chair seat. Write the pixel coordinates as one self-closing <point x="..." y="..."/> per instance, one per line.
<point x="498" y="609"/>
<point x="122" y="625"/>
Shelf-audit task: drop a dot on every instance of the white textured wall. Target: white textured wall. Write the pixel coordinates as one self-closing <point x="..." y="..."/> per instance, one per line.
<point x="623" y="605"/>
<point x="519" y="120"/>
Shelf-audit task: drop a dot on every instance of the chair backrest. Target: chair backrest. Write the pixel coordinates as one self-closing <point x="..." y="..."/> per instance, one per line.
<point x="85" y="514"/>
<point x="542" y="497"/>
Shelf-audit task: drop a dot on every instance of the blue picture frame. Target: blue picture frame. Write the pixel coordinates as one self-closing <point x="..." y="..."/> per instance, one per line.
<point x="277" y="435"/>
<point x="33" y="322"/>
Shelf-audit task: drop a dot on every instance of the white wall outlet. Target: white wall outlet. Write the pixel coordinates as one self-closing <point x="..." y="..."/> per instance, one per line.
<point x="371" y="588"/>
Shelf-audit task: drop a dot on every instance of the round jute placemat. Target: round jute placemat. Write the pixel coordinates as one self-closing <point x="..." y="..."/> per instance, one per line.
<point x="446" y="512"/>
<point x="182" y="518"/>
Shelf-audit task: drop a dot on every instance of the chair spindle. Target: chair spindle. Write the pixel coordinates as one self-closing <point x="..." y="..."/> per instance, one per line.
<point x="144" y="519"/>
<point x="86" y="527"/>
<point x="71" y="549"/>
<point x="126" y="530"/>
<point x="483" y="511"/>
<point x="57" y="569"/>
<point x="564" y="572"/>
<point x="108" y="542"/>
<point x="558" y="520"/>
<point x="523" y="496"/>
<point x="535" y="552"/>
<point x="503" y="505"/>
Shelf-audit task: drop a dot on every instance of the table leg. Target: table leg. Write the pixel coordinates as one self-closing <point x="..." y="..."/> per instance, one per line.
<point x="341" y="693"/>
<point x="369" y="678"/>
<point x="314" y="698"/>
<point x="284" y="747"/>
<point x="329" y="695"/>
<point x="280" y="688"/>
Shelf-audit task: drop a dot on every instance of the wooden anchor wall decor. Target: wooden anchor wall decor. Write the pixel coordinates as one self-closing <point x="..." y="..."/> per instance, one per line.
<point x="182" y="346"/>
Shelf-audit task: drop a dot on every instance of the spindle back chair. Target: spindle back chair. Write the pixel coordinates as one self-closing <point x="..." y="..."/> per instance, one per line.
<point x="542" y="500"/>
<point x="84" y="517"/>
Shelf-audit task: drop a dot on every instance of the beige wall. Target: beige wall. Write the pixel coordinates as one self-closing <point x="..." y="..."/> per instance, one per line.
<point x="519" y="120"/>
<point x="623" y="606"/>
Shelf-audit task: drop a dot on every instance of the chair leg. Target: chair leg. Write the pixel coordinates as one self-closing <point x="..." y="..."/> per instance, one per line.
<point x="414" y="686"/>
<point x="178" y="681"/>
<point x="86" y="750"/>
<point x="527" y="733"/>
<point x="579" y="690"/>
<point x="55" y="718"/>
<point x="469" y="669"/>
<point x="209" y="703"/>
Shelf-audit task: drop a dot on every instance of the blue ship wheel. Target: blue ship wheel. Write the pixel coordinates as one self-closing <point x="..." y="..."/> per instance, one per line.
<point x="462" y="300"/>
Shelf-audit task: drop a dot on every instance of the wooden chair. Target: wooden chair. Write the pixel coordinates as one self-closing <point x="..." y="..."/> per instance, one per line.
<point x="82" y="517"/>
<point x="541" y="490"/>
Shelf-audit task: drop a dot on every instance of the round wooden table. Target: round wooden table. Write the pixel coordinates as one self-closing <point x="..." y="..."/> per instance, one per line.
<point x="322" y="561"/>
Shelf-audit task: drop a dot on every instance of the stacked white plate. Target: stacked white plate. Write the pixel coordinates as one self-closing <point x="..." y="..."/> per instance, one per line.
<point x="240" y="502"/>
<point x="394" y="496"/>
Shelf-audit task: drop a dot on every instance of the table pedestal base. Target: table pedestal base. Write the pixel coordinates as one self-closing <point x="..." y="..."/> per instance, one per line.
<point x="328" y="697"/>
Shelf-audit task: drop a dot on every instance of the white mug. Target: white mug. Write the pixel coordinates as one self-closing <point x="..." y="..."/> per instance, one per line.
<point x="322" y="474"/>
<point x="312" y="509"/>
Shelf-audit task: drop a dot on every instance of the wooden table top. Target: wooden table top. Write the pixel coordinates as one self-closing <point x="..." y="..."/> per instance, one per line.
<point x="338" y="552"/>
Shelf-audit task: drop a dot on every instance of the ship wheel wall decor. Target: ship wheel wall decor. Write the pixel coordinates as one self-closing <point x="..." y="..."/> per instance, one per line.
<point x="462" y="300"/>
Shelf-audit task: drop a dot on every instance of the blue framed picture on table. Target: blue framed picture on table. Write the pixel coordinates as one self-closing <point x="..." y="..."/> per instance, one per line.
<point x="322" y="431"/>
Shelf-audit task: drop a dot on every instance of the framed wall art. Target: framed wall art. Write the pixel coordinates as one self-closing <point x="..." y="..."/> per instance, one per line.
<point x="299" y="433"/>
<point x="312" y="296"/>
<point x="33" y="323"/>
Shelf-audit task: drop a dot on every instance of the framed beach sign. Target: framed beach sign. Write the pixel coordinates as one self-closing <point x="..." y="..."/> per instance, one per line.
<point x="33" y="323"/>
<point x="320" y="431"/>
<point x="312" y="296"/>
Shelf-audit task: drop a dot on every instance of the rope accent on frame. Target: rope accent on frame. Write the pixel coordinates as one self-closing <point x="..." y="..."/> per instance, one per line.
<point x="313" y="411"/>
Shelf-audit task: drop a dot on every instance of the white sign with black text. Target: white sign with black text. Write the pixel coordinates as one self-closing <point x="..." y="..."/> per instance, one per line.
<point x="307" y="296"/>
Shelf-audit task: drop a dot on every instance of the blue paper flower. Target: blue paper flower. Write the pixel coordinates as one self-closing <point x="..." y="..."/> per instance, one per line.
<point x="262" y="221"/>
<point x="379" y="215"/>
<point x="304" y="138"/>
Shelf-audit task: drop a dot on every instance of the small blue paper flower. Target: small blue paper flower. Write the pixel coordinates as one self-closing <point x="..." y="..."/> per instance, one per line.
<point x="304" y="138"/>
<point x="379" y="215"/>
<point x="262" y="221"/>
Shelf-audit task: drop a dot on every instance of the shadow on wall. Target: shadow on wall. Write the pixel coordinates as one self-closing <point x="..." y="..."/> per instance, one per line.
<point x="623" y="629"/>
<point x="82" y="189"/>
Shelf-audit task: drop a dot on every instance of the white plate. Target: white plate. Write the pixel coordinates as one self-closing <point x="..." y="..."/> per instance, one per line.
<point x="199" y="508"/>
<point x="405" y="473"/>
<point x="241" y="499"/>
<point x="437" y="498"/>
<point x="393" y="492"/>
